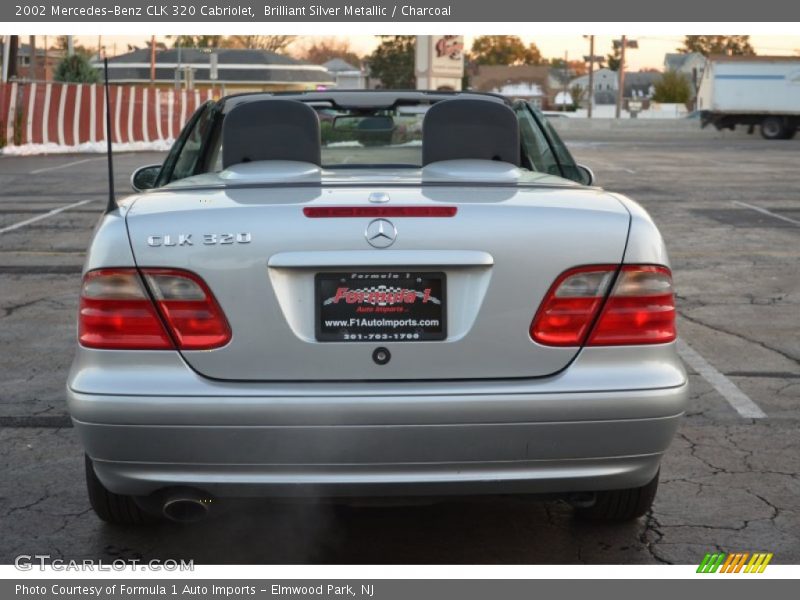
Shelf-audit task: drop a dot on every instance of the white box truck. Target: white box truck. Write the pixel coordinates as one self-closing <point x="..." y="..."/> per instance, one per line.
<point x="752" y="90"/>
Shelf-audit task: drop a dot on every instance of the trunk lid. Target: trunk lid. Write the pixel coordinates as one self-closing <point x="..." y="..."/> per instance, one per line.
<point x="261" y="255"/>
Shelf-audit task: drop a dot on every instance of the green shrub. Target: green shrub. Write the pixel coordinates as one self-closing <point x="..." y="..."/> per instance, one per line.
<point x="673" y="88"/>
<point x="76" y="69"/>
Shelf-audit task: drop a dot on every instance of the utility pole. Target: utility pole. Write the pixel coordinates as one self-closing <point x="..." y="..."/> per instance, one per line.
<point x="591" y="76"/>
<point x="591" y="59"/>
<point x="5" y="41"/>
<point x="32" y="62"/>
<point x="623" y="44"/>
<point x="4" y="75"/>
<point x="566" y="82"/>
<point x="152" y="60"/>
<point x="70" y="46"/>
<point x="12" y="50"/>
<point x="621" y="79"/>
<point x="178" y="75"/>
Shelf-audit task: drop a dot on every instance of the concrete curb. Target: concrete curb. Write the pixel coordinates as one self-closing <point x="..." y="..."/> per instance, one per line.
<point x="639" y="128"/>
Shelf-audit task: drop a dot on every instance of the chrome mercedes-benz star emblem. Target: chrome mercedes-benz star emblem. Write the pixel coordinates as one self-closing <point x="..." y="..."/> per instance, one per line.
<point x="381" y="233"/>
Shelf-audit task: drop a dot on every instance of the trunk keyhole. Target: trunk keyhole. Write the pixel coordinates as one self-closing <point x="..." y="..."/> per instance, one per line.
<point x="381" y="356"/>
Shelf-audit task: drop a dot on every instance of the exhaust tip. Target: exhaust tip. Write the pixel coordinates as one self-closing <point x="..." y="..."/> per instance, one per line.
<point x="582" y="499"/>
<point x="186" y="510"/>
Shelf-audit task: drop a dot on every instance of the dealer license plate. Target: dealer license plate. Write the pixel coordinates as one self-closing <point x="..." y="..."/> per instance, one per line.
<point x="375" y="306"/>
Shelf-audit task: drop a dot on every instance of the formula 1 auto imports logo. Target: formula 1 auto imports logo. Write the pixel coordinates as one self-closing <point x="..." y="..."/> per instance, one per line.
<point x="381" y="296"/>
<point x="719" y="562"/>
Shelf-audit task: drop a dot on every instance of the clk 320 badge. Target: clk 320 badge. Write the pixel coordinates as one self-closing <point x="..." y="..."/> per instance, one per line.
<point x="206" y="239"/>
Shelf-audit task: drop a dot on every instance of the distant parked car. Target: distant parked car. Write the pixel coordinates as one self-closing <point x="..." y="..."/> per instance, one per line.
<point x="555" y="114"/>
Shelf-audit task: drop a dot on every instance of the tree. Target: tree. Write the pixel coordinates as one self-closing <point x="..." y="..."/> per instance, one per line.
<point x="577" y="93"/>
<point x="504" y="50"/>
<point x="271" y="43"/>
<point x="13" y="54"/>
<point x="673" y="87"/>
<point x="76" y="69"/>
<point x="614" y="60"/>
<point x="195" y="41"/>
<point x="322" y="51"/>
<point x="393" y="62"/>
<point x="731" y="45"/>
<point x="63" y="45"/>
<point x="575" y="68"/>
<point x="146" y="44"/>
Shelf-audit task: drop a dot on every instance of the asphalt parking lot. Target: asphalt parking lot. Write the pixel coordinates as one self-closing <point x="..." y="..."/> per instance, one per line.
<point x="729" y="209"/>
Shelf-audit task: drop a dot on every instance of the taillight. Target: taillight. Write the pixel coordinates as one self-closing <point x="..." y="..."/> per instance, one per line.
<point x="639" y="310"/>
<point x="571" y="305"/>
<point x="117" y="313"/>
<point x="189" y="309"/>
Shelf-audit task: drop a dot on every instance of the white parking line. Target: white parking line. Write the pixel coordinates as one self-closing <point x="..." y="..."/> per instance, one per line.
<point x="735" y="397"/>
<point x="64" y="166"/>
<point x="767" y="212"/>
<point x="605" y="165"/>
<point x="55" y="211"/>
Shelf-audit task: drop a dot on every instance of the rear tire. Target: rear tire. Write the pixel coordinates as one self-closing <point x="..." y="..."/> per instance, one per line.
<point x="621" y="505"/>
<point x="774" y="128"/>
<point x="110" y="507"/>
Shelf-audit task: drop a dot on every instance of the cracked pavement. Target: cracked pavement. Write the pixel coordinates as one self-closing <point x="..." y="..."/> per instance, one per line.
<point x="728" y="483"/>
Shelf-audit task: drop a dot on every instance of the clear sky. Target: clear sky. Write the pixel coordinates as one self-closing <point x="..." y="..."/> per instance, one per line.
<point x="649" y="55"/>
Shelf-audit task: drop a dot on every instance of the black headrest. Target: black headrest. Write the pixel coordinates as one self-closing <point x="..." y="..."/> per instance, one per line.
<point x="468" y="128"/>
<point x="271" y="130"/>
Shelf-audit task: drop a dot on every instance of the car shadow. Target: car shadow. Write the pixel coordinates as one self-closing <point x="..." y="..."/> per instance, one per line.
<point x="501" y="530"/>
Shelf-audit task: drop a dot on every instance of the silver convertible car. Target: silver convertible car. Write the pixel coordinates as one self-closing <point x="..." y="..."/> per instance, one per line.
<point x="349" y="295"/>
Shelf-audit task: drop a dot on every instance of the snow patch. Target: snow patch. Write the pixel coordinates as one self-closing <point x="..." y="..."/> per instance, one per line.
<point x="346" y="144"/>
<point x="86" y="148"/>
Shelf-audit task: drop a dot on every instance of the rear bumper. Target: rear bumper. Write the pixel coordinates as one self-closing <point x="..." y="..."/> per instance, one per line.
<point x="384" y="461"/>
<point x="555" y="435"/>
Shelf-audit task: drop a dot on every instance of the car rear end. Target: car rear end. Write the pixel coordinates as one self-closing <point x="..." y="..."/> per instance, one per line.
<point x="307" y="340"/>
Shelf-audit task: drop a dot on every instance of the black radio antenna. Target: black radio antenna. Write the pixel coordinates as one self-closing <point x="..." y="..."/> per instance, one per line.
<point x="112" y="201"/>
